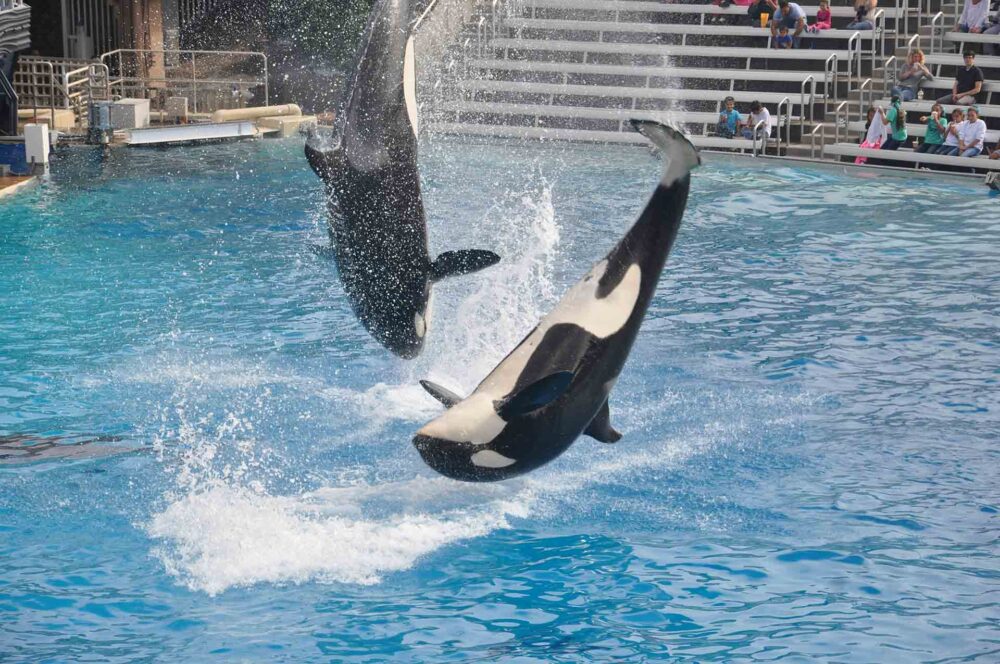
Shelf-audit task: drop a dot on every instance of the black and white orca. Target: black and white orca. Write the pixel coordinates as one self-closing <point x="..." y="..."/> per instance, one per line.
<point x="554" y="385"/>
<point x="376" y="220"/>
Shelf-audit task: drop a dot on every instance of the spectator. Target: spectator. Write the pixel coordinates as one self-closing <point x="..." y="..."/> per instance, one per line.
<point x="951" y="135"/>
<point x="874" y="134"/>
<point x="968" y="83"/>
<point x="758" y="115"/>
<point x="936" y="129"/>
<point x="760" y="7"/>
<point x="823" y="18"/>
<point x="970" y="135"/>
<point x="862" y="9"/>
<point x="895" y="122"/>
<point x="729" y="120"/>
<point x="996" y="152"/>
<point x="910" y="75"/>
<point x="791" y="16"/>
<point x="784" y="39"/>
<point x="974" y="16"/>
<point x="992" y="29"/>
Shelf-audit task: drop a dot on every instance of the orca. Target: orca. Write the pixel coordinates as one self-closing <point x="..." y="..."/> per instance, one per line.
<point x="555" y="384"/>
<point x="376" y="214"/>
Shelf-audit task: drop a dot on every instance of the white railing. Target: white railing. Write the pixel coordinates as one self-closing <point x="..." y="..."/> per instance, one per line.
<point x="135" y="73"/>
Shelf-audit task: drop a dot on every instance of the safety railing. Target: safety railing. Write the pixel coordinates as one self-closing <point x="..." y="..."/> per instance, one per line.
<point x="143" y="73"/>
<point x="886" y="68"/>
<point x="8" y="124"/>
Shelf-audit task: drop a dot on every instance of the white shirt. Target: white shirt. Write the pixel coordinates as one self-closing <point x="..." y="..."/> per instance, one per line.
<point x="764" y="115"/>
<point x="974" y="15"/>
<point x="876" y="131"/>
<point x="952" y="139"/>
<point x="972" y="133"/>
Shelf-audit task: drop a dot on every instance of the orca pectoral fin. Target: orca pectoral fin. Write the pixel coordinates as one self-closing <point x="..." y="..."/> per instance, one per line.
<point x="540" y="393"/>
<point x="454" y="263"/>
<point x="447" y="397"/>
<point x="322" y="161"/>
<point x="600" y="428"/>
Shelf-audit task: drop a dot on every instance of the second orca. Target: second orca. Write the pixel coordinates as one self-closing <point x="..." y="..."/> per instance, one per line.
<point x="554" y="385"/>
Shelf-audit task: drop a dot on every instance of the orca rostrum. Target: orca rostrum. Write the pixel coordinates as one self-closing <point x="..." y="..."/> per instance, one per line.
<point x="376" y="219"/>
<point x="554" y="385"/>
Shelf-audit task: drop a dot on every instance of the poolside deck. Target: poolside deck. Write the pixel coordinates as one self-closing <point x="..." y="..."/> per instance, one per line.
<point x="10" y="184"/>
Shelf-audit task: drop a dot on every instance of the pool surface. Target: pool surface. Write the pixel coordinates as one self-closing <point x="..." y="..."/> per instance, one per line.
<point x="222" y="469"/>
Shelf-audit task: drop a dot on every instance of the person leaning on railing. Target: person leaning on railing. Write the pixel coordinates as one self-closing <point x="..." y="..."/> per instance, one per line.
<point x="791" y="16"/>
<point x="968" y="83"/>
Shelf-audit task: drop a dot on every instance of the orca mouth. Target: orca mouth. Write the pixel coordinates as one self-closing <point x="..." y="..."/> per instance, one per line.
<point x="451" y="459"/>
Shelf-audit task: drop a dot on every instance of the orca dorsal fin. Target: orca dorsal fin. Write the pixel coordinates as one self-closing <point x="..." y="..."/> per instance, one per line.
<point x="445" y="396"/>
<point x="454" y="263"/>
<point x="600" y="428"/>
<point x="540" y="393"/>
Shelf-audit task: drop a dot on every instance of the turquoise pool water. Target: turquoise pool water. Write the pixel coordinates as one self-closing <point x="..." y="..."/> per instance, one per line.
<point x="808" y="473"/>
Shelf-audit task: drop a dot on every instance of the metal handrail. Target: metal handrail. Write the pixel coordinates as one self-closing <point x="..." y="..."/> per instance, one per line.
<point x="788" y="121"/>
<point x="885" y="74"/>
<point x="812" y="140"/>
<point x="836" y="120"/>
<point x="194" y="81"/>
<point x="812" y="100"/>
<point x="861" y="92"/>
<point x="939" y="31"/>
<point x="830" y="67"/>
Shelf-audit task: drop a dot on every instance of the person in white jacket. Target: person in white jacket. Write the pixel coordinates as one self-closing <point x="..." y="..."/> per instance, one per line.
<point x="975" y="16"/>
<point x="971" y="134"/>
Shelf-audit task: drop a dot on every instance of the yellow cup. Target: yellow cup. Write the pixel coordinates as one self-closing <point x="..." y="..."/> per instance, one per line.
<point x="763" y="20"/>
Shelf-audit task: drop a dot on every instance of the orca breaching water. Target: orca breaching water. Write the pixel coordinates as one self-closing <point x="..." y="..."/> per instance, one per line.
<point x="376" y="220"/>
<point x="554" y="385"/>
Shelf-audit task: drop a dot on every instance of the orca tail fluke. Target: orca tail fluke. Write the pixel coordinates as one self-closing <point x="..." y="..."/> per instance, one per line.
<point x="682" y="156"/>
<point x="455" y="263"/>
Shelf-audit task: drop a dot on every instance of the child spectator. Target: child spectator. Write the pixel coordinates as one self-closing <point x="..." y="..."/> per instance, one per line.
<point x="936" y="129"/>
<point x="784" y="39"/>
<point x="970" y="135"/>
<point x="791" y="16"/>
<point x="895" y="122"/>
<point x="823" y="18"/>
<point x="729" y="120"/>
<point x="874" y="134"/>
<point x="951" y="135"/>
<point x="758" y="115"/>
<point x="968" y="83"/>
<point x="862" y="9"/>
<point x="910" y="75"/>
<point x="974" y="16"/>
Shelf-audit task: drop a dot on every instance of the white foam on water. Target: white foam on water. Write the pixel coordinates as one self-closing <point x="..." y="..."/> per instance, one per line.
<point x="224" y="536"/>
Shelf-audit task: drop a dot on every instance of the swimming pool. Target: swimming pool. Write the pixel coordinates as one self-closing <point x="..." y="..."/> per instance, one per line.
<point x="809" y="466"/>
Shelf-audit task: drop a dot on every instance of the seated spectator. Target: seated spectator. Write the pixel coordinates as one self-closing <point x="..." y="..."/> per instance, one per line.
<point x="729" y="120"/>
<point x="968" y="83"/>
<point x="996" y="152"/>
<point x="992" y="29"/>
<point x="936" y="129"/>
<point x="862" y="10"/>
<point x="760" y="7"/>
<point x="823" y="17"/>
<point x="874" y="134"/>
<point x="895" y="122"/>
<point x="970" y="135"/>
<point x="951" y="134"/>
<point x="910" y="75"/>
<point x="974" y="16"/>
<point x="758" y="115"/>
<point x="784" y="39"/>
<point x="792" y="17"/>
